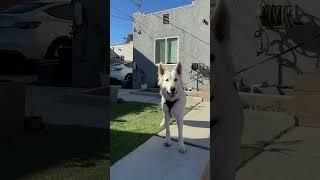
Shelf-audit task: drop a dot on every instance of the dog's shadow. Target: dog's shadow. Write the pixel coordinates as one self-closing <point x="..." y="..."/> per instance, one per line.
<point x="198" y="124"/>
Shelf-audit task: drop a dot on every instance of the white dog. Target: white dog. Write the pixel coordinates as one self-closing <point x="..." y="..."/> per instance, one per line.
<point x="173" y="101"/>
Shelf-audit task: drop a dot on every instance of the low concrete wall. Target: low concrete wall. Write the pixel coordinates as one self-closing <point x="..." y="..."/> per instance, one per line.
<point x="95" y="96"/>
<point x="12" y="107"/>
<point x="266" y="102"/>
<point x="151" y="94"/>
<point x="114" y="94"/>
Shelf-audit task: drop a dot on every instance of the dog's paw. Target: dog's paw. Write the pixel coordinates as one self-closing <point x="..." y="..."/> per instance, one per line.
<point x="167" y="142"/>
<point x="181" y="148"/>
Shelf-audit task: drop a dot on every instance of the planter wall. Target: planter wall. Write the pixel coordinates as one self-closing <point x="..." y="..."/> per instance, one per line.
<point x="266" y="102"/>
<point x="12" y="107"/>
<point x="101" y="96"/>
<point x="114" y="94"/>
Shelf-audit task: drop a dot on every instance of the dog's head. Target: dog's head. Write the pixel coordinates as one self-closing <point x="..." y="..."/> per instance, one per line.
<point x="170" y="82"/>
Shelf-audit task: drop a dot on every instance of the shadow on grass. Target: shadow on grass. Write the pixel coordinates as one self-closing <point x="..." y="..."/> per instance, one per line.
<point x="123" y="142"/>
<point x="129" y="107"/>
<point x="247" y="154"/>
<point x="62" y="147"/>
<point x="127" y="133"/>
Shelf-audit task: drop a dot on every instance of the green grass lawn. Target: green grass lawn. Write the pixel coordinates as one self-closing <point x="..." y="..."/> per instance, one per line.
<point x="63" y="152"/>
<point x="133" y="123"/>
<point x="247" y="154"/>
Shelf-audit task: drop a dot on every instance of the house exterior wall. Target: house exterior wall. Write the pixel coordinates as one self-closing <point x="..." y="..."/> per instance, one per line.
<point x="191" y="49"/>
<point x="113" y="54"/>
<point x="125" y="50"/>
<point x="244" y="45"/>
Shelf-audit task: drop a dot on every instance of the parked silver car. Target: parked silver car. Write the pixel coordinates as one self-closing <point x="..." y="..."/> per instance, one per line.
<point x="36" y="29"/>
<point x="121" y="71"/>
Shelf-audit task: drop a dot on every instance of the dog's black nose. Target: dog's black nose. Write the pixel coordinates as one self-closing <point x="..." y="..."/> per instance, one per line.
<point x="172" y="89"/>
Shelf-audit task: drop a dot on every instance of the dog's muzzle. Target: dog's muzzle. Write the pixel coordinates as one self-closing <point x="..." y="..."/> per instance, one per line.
<point x="172" y="94"/>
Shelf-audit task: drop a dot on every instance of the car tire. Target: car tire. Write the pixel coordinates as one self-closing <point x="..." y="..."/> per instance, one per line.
<point x="128" y="77"/>
<point x="52" y="52"/>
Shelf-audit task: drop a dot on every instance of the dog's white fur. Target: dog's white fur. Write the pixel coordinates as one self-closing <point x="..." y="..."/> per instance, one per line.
<point x="171" y="89"/>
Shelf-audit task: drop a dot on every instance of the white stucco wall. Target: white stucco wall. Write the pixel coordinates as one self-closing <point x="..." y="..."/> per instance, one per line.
<point x="125" y="50"/>
<point x="194" y="40"/>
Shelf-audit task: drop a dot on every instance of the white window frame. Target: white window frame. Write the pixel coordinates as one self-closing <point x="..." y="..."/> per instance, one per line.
<point x="166" y="60"/>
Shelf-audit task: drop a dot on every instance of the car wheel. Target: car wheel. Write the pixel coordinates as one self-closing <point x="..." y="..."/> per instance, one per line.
<point x="128" y="77"/>
<point x="52" y="52"/>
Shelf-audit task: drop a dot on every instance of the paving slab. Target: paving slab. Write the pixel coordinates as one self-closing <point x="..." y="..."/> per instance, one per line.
<point x="153" y="160"/>
<point x="294" y="156"/>
<point x="193" y="101"/>
<point x="262" y="126"/>
<point x="196" y="128"/>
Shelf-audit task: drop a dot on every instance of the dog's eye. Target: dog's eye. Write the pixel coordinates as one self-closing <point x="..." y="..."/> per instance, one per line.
<point x="167" y="79"/>
<point x="175" y="79"/>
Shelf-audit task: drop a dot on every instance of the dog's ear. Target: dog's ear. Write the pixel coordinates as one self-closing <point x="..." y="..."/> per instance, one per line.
<point x="179" y="68"/>
<point x="161" y="70"/>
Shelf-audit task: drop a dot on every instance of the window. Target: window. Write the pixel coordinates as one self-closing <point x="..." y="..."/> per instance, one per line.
<point x="160" y="51"/>
<point x="166" y="50"/>
<point x="62" y="11"/>
<point x="166" y="19"/>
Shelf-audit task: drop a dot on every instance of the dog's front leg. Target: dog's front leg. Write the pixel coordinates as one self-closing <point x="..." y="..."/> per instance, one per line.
<point x="167" y="124"/>
<point x="162" y="124"/>
<point x="181" y="146"/>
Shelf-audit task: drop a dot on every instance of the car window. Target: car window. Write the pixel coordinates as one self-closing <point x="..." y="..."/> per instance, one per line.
<point x="23" y="8"/>
<point x="61" y="11"/>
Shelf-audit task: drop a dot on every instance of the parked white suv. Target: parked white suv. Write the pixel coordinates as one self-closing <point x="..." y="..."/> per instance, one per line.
<point x="36" y="29"/>
<point x="121" y="71"/>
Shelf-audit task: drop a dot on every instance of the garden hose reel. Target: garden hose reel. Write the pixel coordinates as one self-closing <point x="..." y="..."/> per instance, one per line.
<point x="272" y="16"/>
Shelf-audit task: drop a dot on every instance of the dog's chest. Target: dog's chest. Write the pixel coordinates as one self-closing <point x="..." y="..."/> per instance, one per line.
<point x="170" y="104"/>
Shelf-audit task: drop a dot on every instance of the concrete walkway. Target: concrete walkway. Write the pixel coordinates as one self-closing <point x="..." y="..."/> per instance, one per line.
<point x="260" y="126"/>
<point x="295" y="156"/>
<point x="153" y="160"/>
<point x="126" y="94"/>
<point x="196" y="128"/>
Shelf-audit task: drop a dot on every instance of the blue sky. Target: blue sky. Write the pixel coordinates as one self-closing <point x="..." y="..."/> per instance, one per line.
<point x="120" y="28"/>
